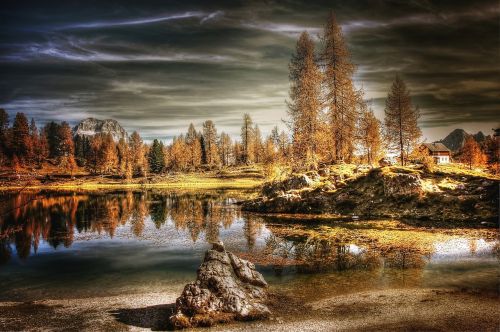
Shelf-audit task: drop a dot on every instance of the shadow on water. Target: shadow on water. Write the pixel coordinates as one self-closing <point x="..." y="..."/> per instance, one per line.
<point x="152" y="317"/>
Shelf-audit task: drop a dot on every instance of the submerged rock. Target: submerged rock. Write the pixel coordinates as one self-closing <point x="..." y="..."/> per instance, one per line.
<point x="226" y="288"/>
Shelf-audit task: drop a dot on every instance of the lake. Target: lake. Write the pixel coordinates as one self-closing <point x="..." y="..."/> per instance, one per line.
<point x="72" y="245"/>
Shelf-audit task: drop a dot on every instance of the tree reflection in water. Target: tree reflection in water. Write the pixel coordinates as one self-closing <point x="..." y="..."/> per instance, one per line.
<point x="54" y="217"/>
<point x="318" y="255"/>
<point x="342" y="248"/>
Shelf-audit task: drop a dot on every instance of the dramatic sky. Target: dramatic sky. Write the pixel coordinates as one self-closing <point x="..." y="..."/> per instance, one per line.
<point x="156" y="66"/>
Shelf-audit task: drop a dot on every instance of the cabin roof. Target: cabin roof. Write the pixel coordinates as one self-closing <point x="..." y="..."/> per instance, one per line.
<point x="436" y="147"/>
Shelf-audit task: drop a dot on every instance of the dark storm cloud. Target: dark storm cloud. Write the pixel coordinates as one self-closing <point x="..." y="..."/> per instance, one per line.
<point x="156" y="66"/>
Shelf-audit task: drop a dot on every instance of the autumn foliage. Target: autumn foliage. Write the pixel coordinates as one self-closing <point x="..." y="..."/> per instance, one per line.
<point x="471" y="153"/>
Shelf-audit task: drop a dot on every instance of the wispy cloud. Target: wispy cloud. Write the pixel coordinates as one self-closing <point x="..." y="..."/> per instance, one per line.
<point x="70" y="109"/>
<point x="140" y="21"/>
<point x="286" y="29"/>
<point x="432" y="18"/>
<point x="71" y="50"/>
<point x="212" y="16"/>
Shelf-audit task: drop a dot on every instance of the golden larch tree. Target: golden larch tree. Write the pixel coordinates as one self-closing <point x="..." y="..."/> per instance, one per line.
<point x="340" y="94"/>
<point x="369" y="134"/>
<point x="137" y="154"/>
<point x="225" y="148"/>
<point x="304" y="104"/>
<point x="401" y="119"/>
<point x="194" y="146"/>
<point x="247" y="138"/>
<point x="210" y="143"/>
<point x="471" y="153"/>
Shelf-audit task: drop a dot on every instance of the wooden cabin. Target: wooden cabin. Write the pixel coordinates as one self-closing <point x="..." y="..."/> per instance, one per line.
<point x="438" y="151"/>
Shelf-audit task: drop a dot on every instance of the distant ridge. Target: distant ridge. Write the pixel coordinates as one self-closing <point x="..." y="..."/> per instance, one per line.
<point x="456" y="139"/>
<point x="92" y="126"/>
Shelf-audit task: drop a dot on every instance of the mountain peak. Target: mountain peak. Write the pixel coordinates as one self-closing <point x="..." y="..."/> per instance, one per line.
<point x="479" y="136"/>
<point x="455" y="140"/>
<point x="93" y="126"/>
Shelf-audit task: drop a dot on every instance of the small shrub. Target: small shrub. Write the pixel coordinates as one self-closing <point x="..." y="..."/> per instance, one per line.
<point x="276" y="172"/>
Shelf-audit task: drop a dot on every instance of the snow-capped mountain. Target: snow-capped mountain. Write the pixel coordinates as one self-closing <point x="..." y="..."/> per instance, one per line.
<point x="91" y="127"/>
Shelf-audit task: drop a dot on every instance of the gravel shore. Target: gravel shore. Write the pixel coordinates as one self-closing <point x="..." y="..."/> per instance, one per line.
<point x="384" y="310"/>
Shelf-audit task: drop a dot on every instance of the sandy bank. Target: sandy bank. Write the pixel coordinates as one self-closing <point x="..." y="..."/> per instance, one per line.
<point x="400" y="309"/>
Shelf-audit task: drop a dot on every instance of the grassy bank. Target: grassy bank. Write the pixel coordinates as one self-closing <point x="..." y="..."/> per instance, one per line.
<point x="246" y="177"/>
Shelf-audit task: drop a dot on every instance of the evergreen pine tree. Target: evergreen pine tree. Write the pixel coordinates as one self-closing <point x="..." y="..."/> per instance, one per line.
<point x="21" y="143"/>
<point x="156" y="157"/>
<point x="4" y="137"/>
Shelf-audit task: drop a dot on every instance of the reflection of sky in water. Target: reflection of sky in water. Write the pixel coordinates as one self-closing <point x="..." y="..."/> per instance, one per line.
<point x="161" y="259"/>
<point x="355" y="249"/>
<point x="168" y="236"/>
<point x="461" y="248"/>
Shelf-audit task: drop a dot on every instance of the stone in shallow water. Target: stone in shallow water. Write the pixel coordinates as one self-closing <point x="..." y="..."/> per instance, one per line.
<point x="226" y="288"/>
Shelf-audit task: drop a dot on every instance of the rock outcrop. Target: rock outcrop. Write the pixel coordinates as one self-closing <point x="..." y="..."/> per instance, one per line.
<point x="91" y="127"/>
<point x="227" y="288"/>
<point x="391" y="192"/>
<point x="401" y="184"/>
<point x="285" y="196"/>
<point x="295" y="182"/>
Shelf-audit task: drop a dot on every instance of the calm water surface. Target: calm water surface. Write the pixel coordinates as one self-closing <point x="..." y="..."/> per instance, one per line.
<point x="69" y="245"/>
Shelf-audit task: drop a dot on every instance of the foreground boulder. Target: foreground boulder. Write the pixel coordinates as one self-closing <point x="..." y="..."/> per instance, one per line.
<point x="227" y="288"/>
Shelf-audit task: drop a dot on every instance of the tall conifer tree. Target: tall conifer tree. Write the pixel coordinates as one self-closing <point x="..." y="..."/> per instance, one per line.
<point x="247" y="138"/>
<point x="369" y="134"/>
<point x="156" y="157"/>
<point x="210" y="142"/>
<point x="341" y="96"/>
<point x="21" y="143"/>
<point x="401" y="119"/>
<point x="304" y="104"/>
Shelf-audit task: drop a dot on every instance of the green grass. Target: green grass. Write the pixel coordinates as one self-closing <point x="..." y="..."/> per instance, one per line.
<point x="462" y="170"/>
<point x="229" y="179"/>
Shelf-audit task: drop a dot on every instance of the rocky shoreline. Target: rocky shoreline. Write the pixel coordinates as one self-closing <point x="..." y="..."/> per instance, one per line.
<point x="229" y="290"/>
